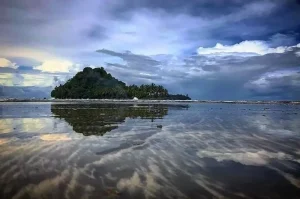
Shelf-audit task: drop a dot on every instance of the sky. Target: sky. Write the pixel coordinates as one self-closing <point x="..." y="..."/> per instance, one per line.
<point x="208" y="49"/>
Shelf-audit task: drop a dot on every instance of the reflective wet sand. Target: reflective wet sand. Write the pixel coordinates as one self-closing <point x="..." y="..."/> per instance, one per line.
<point x="121" y="151"/>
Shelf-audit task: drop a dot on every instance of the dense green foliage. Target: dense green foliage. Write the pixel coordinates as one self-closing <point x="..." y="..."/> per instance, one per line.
<point x="91" y="83"/>
<point x="98" y="84"/>
<point x="151" y="91"/>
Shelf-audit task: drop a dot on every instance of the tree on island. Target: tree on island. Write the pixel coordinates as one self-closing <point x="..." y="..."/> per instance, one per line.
<point x="98" y="84"/>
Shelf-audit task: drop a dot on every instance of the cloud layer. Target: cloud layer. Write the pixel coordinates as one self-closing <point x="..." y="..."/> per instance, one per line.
<point x="208" y="49"/>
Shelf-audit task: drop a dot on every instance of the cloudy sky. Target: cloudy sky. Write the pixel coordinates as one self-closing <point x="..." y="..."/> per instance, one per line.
<point x="209" y="49"/>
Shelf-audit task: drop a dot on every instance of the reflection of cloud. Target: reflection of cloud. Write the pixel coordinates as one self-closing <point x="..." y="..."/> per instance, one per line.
<point x="260" y="157"/>
<point x="208" y="187"/>
<point x="112" y="157"/>
<point x="73" y="184"/>
<point x="152" y="186"/>
<point x="29" y="125"/>
<point x="55" y="137"/>
<point x="131" y="184"/>
<point x="110" y="177"/>
<point x="270" y="126"/>
<point x="6" y="125"/>
<point x="45" y="187"/>
<point x="3" y="141"/>
<point x="36" y="125"/>
<point x="289" y="177"/>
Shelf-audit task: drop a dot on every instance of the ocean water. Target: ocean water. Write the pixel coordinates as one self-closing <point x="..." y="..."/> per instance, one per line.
<point x="57" y="150"/>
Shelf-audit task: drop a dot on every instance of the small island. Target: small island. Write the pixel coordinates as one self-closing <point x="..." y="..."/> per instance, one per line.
<point x="98" y="84"/>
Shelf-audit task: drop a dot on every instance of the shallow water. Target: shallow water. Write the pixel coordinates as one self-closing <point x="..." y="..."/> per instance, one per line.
<point x="121" y="151"/>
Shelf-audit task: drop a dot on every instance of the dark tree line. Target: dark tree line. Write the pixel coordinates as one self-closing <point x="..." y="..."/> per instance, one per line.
<point x="98" y="84"/>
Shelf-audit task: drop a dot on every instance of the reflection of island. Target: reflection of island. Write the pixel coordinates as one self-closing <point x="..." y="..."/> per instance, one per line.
<point x="97" y="119"/>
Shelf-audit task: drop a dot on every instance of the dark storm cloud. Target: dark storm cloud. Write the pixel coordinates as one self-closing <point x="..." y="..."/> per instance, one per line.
<point x="284" y="86"/>
<point x="259" y="64"/>
<point x="134" y="61"/>
<point x="60" y="25"/>
<point x="19" y="70"/>
<point x="7" y="70"/>
<point x="121" y="66"/>
<point x="199" y="8"/>
<point x="130" y="57"/>
<point x="25" y="68"/>
<point x="220" y="88"/>
<point x="132" y="75"/>
<point x="283" y="39"/>
<point x="56" y="24"/>
<point x="207" y="8"/>
<point x="60" y="79"/>
<point x="24" y="61"/>
<point x="275" y="61"/>
<point x="28" y="70"/>
<point x="210" y="68"/>
<point x="237" y="77"/>
<point x="97" y="32"/>
<point x="253" y="20"/>
<point x="224" y="21"/>
<point x="24" y="92"/>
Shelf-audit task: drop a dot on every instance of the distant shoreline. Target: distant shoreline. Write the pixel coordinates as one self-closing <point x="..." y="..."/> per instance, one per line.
<point x="130" y="101"/>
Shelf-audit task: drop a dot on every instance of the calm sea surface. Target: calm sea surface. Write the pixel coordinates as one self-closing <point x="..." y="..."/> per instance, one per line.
<point x="149" y="151"/>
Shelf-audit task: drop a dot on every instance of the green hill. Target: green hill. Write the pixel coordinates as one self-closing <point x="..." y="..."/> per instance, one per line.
<point x="98" y="84"/>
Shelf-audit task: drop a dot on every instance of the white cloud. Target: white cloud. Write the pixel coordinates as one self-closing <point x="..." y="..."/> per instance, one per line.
<point x="246" y="48"/>
<point x="11" y="79"/>
<point x="6" y="63"/>
<point x="6" y="79"/>
<point x="53" y="66"/>
<point x="37" y="80"/>
<point x="49" y="62"/>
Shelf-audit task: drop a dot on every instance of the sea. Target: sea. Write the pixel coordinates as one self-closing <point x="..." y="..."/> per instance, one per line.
<point x="183" y="150"/>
